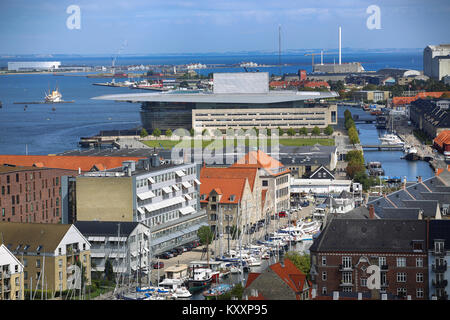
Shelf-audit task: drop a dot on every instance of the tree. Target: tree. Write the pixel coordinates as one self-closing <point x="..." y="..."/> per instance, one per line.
<point x="192" y="132"/>
<point x="280" y="131"/>
<point x="353" y="135"/>
<point x="156" y="132"/>
<point x="168" y="133"/>
<point x="303" y="131"/>
<point x="144" y="133"/>
<point x="206" y="236"/>
<point x="109" y="271"/>
<point x="328" y="130"/>
<point x="315" y="131"/>
<point x="302" y="262"/>
<point x="291" y="132"/>
<point x="347" y="114"/>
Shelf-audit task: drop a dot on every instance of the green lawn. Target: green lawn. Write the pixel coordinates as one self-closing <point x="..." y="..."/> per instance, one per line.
<point x="169" y="144"/>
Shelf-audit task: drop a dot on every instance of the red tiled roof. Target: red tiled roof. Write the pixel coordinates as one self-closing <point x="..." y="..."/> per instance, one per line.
<point x="259" y="159"/>
<point x="442" y="138"/>
<point x="290" y="274"/>
<point x="251" y="277"/>
<point x="230" y="172"/>
<point x="85" y="163"/>
<point x="225" y="187"/>
<point x="408" y="100"/>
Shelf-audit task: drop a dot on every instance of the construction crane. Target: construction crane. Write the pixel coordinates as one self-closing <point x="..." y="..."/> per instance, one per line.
<point x="113" y="64"/>
<point x="316" y="54"/>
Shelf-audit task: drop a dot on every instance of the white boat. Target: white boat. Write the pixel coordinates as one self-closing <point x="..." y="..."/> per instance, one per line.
<point x="53" y="96"/>
<point x="391" y="140"/>
<point x="235" y="269"/>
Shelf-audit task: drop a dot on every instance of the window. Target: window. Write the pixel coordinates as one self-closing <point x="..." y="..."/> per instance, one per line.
<point x="347" y="262"/>
<point x="401" y="262"/>
<point x="324" y="260"/>
<point x="419" y="293"/>
<point x="401" y="291"/>
<point x="401" y="276"/>
<point x="419" y="262"/>
<point x="438" y="246"/>
<point x="419" y="277"/>
<point x="324" y="275"/>
<point x="347" y="277"/>
<point x="363" y="282"/>
<point x="324" y="290"/>
<point x="38" y="263"/>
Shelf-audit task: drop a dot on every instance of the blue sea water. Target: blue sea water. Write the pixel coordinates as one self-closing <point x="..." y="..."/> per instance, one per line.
<point x="40" y="130"/>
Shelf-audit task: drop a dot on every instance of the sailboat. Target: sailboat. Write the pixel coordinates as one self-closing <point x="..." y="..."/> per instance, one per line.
<point x="391" y="138"/>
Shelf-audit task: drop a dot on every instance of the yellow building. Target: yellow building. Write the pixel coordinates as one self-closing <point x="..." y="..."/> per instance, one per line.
<point x="11" y="276"/>
<point x="50" y="255"/>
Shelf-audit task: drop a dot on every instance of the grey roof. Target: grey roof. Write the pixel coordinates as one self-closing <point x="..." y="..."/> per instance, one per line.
<point x="440" y="229"/>
<point x="429" y="207"/>
<point x="441" y="197"/>
<point x="306" y="160"/>
<point x="357" y="213"/>
<point x="254" y="98"/>
<point x="370" y="235"/>
<point x="400" y="213"/>
<point x="105" y="228"/>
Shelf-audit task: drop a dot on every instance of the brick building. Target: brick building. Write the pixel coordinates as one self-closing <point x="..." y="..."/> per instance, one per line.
<point x="31" y="194"/>
<point x="341" y="255"/>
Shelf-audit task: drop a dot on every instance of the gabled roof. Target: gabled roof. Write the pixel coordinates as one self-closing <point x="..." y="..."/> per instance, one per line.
<point x="47" y="235"/>
<point x="85" y="163"/>
<point x="400" y="213"/>
<point x="105" y="228"/>
<point x="230" y="172"/>
<point x="369" y="235"/>
<point x="429" y="207"/>
<point x="261" y="160"/>
<point x="227" y="187"/>
<point x="290" y="274"/>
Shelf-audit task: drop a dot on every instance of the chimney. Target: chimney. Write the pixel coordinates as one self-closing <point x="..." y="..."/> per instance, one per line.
<point x="404" y="183"/>
<point x="339" y="45"/>
<point x="371" y="212"/>
<point x="419" y="179"/>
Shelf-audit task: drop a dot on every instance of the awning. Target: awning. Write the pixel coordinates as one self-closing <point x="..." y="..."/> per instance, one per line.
<point x="146" y="195"/>
<point x="175" y="188"/>
<point x="197" y="182"/>
<point x="163" y="204"/>
<point x="151" y="180"/>
<point x="186" y="184"/>
<point x="187" y="210"/>
<point x="167" y="189"/>
<point x="96" y="239"/>
<point x="188" y="197"/>
<point x="180" y="173"/>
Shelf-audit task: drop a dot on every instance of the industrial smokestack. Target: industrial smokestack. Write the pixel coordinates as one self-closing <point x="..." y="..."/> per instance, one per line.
<point x="340" y="45"/>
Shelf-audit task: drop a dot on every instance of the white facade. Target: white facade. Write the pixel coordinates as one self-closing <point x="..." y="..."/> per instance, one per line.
<point x="320" y="186"/>
<point x="9" y="262"/>
<point x="33" y="65"/>
<point x="436" y="61"/>
<point x="241" y="82"/>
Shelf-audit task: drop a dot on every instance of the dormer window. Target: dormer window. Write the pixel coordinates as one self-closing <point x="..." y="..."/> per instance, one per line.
<point x="232" y="197"/>
<point x="438" y="246"/>
<point x="213" y="198"/>
<point x="417" y="245"/>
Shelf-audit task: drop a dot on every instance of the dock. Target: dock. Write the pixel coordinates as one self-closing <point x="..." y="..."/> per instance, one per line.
<point x="43" y="102"/>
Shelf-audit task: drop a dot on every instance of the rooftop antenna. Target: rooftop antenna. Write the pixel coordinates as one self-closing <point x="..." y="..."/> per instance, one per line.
<point x="340" y="45"/>
<point x="279" y="47"/>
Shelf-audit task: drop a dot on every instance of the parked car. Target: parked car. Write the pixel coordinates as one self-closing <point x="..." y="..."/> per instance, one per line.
<point x="282" y="214"/>
<point x="179" y="250"/>
<point x="188" y="247"/>
<point x="166" y="255"/>
<point x="174" y="252"/>
<point x="158" y="265"/>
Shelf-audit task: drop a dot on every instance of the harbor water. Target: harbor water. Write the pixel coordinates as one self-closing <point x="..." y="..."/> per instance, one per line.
<point x="391" y="161"/>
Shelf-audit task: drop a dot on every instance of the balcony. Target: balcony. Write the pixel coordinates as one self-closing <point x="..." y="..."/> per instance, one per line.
<point x="439" y="283"/>
<point x="439" y="267"/>
<point x="439" y="253"/>
<point x="443" y="296"/>
<point x="345" y="267"/>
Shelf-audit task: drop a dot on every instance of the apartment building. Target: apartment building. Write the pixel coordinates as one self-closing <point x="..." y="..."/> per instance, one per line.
<point x="125" y="244"/>
<point x="162" y="196"/>
<point x="438" y="259"/>
<point x="11" y="276"/>
<point x="55" y="257"/>
<point x="32" y="194"/>
<point x="346" y="248"/>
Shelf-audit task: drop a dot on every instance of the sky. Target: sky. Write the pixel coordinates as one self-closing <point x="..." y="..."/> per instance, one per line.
<point x="207" y="26"/>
